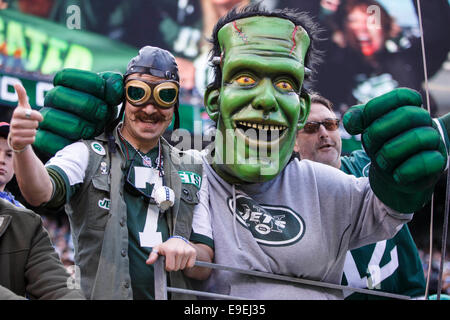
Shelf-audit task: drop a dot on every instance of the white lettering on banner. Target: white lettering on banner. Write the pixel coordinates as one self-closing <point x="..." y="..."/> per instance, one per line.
<point x="6" y="83"/>
<point x="41" y="89"/>
<point x="8" y="93"/>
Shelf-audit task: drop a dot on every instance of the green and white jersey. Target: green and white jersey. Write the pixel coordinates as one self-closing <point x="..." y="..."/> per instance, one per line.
<point x="147" y="226"/>
<point x="392" y="265"/>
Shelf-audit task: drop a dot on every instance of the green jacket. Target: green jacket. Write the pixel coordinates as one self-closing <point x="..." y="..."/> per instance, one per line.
<point x="98" y="217"/>
<point x="29" y="265"/>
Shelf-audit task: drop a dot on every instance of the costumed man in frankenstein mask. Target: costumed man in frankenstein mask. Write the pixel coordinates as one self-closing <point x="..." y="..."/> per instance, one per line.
<point x="126" y="194"/>
<point x="297" y="218"/>
<point x="289" y="217"/>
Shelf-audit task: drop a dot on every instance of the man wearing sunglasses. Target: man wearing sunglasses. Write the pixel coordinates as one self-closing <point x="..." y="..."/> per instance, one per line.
<point x="128" y="196"/>
<point x="319" y="140"/>
<point x="391" y="265"/>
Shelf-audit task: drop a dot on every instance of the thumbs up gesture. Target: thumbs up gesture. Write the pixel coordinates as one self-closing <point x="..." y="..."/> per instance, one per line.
<point x="24" y="122"/>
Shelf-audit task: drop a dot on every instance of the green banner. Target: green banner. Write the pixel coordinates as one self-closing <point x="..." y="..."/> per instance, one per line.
<point x="33" y="49"/>
<point x="36" y="88"/>
<point x="47" y="47"/>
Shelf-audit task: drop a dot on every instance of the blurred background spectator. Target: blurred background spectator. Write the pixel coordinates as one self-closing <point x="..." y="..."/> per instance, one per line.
<point x="434" y="272"/>
<point x="371" y="46"/>
<point x="40" y="8"/>
<point x="59" y="230"/>
<point x="373" y="50"/>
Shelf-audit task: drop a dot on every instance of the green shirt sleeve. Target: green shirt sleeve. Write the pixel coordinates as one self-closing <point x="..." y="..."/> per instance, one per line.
<point x="199" y="238"/>
<point x="357" y="164"/>
<point x="62" y="190"/>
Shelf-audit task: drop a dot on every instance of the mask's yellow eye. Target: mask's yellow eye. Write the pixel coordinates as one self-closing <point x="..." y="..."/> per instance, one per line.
<point x="284" y="86"/>
<point x="245" y="81"/>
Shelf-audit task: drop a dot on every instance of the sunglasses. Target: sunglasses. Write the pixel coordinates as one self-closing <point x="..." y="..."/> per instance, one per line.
<point x="141" y="92"/>
<point x="314" y="126"/>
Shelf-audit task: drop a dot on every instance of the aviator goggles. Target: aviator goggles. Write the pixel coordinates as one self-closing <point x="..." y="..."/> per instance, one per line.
<point x="314" y="126"/>
<point x="141" y="92"/>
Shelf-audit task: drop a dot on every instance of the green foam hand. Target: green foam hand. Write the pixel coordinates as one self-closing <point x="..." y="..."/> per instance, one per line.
<point x="80" y="105"/>
<point x="408" y="154"/>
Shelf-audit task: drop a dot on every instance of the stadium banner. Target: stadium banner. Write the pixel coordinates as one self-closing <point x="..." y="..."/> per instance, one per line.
<point x="33" y="49"/>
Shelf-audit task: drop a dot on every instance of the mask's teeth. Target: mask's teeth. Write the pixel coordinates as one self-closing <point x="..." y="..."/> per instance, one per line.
<point x="259" y="126"/>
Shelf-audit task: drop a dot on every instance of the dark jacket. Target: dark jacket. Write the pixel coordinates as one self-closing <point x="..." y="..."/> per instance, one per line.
<point x="29" y="266"/>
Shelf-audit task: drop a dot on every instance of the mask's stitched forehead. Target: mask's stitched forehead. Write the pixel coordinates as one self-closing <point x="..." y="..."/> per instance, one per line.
<point x="264" y="36"/>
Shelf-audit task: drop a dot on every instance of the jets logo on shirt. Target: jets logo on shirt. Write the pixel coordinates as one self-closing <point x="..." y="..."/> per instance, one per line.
<point x="269" y="225"/>
<point x="98" y="148"/>
<point x="104" y="203"/>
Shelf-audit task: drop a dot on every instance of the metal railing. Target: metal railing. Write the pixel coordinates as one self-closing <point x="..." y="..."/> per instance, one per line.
<point x="161" y="288"/>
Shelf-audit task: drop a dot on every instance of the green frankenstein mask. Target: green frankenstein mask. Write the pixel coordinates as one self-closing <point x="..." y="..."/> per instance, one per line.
<point x="258" y="107"/>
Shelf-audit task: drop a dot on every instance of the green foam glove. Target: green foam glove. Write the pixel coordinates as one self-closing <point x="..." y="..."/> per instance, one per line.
<point x="50" y="143"/>
<point x="80" y="106"/>
<point x="408" y="155"/>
